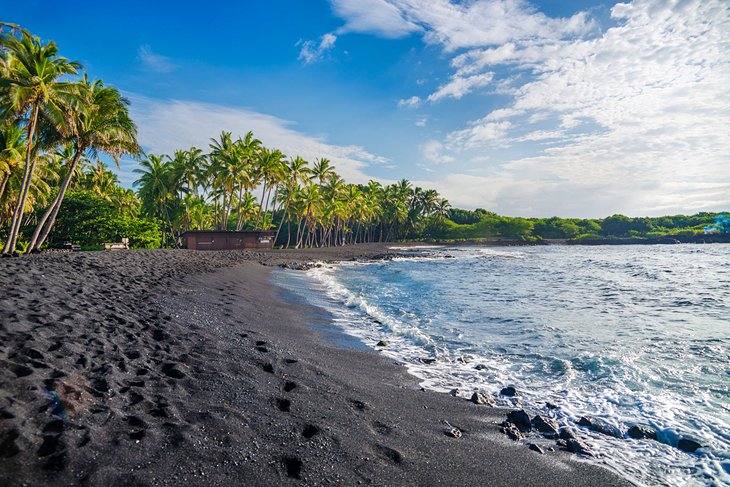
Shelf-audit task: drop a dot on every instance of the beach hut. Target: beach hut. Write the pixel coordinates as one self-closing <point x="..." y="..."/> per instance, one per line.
<point x="225" y="240"/>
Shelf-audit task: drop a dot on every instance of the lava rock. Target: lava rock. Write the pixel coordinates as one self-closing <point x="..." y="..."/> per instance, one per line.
<point x="537" y="448"/>
<point x="576" y="446"/>
<point x="690" y="445"/>
<point x="566" y="433"/>
<point x="545" y="425"/>
<point x="382" y="343"/>
<point x="509" y="391"/>
<point x="600" y="427"/>
<point x="480" y="367"/>
<point x="521" y="419"/>
<point x="550" y="405"/>
<point x="479" y="398"/>
<point x="641" y="432"/>
<point x="512" y="431"/>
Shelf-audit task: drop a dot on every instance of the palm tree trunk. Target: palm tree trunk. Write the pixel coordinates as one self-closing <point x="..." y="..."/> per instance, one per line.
<point x="25" y="184"/>
<point x="6" y="178"/>
<point x="261" y="206"/>
<point x="283" y="216"/>
<point x="39" y="238"/>
<point x="239" y="219"/>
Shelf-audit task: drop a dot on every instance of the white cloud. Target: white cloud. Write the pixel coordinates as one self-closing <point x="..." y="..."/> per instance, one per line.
<point x="152" y="61"/>
<point x="457" y="25"/>
<point x="378" y="17"/>
<point x="459" y="86"/>
<point x="481" y="133"/>
<point x="167" y="125"/>
<point x="313" y="51"/>
<point x="421" y="122"/>
<point x="412" y="102"/>
<point x="649" y="96"/>
<point x="433" y="151"/>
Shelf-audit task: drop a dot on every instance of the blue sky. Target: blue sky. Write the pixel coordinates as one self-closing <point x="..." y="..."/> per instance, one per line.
<point x="532" y="109"/>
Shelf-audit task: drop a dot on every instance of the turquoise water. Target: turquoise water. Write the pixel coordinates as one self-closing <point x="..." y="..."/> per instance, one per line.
<point x="628" y="334"/>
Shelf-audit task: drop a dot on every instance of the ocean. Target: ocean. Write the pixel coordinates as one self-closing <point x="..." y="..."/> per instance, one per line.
<point x="626" y="334"/>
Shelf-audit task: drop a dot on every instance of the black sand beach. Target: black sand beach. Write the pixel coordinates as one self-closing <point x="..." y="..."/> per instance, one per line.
<point x="187" y="368"/>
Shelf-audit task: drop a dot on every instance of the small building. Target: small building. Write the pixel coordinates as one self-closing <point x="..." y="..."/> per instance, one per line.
<point x="225" y="240"/>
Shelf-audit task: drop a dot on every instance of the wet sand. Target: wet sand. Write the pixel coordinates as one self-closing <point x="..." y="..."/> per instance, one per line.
<point x="191" y="368"/>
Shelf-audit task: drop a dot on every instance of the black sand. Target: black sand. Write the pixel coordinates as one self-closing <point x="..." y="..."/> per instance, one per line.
<point x="186" y="368"/>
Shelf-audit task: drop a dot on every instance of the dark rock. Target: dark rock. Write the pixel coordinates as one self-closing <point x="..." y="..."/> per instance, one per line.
<point x="545" y="425"/>
<point x="583" y="421"/>
<point x="641" y="432"/>
<point x="576" y="446"/>
<point x="427" y="360"/>
<point x="600" y="426"/>
<point x="550" y="405"/>
<point x="512" y="431"/>
<point x="537" y="448"/>
<point x="455" y="392"/>
<point x="479" y="398"/>
<point x="521" y="419"/>
<point x="566" y="433"/>
<point x="509" y="391"/>
<point x="690" y="445"/>
<point x="480" y="367"/>
<point x="382" y="343"/>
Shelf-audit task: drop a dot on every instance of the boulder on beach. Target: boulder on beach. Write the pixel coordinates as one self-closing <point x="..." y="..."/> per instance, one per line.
<point x="566" y="433"/>
<point x="479" y="398"/>
<point x="642" y="432"/>
<point x="600" y="426"/>
<point x="382" y="343"/>
<point x="544" y="425"/>
<point x="537" y="448"/>
<point x="521" y="419"/>
<point x="576" y="446"/>
<point x="512" y="431"/>
<point x="509" y="391"/>
<point x="690" y="445"/>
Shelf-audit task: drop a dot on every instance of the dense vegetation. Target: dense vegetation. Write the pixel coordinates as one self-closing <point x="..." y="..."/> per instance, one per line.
<point x="470" y="225"/>
<point x="306" y="204"/>
<point x="55" y="124"/>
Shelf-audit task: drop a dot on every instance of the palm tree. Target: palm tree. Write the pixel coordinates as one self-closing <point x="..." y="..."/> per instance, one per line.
<point x="295" y="173"/>
<point x="12" y="147"/>
<point x="154" y="188"/>
<point x="30" y="78"/>
<point x="322" y="171"/>
<point x="100" y="123"/>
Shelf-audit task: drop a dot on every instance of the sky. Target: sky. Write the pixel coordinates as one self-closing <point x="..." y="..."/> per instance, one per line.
<point x="576" y="109"/>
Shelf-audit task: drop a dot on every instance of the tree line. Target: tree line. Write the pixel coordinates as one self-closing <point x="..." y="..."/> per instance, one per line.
<point x="240" y="184"/>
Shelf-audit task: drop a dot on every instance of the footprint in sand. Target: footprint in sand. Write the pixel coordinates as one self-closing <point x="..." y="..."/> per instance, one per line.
<point x="283" y="405"/>
<point x="310" y="431"/>
<point x="293" y="466"/>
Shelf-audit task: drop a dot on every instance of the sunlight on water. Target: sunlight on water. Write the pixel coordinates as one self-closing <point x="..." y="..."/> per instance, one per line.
<point x="628" y="334"/>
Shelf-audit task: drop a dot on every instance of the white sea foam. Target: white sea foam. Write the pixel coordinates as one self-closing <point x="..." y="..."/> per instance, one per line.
<point x="628" y="397"/>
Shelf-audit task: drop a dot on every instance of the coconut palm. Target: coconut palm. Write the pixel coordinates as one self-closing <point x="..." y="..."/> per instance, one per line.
<point x="12" y="148"/>
<point x="322" y="171"/>
<point x="155" y="189"/>
<point x="32" y="89"/>
<point x="100" y="123"/>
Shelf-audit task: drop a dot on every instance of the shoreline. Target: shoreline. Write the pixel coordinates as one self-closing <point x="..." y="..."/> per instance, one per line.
<point x="180" y="367"/>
